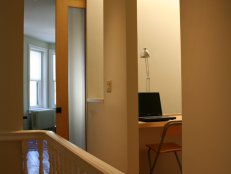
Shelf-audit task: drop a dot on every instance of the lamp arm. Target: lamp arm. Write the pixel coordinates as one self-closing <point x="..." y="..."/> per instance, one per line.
<point x="147" y="75"/>
<point x="147" y="67"/>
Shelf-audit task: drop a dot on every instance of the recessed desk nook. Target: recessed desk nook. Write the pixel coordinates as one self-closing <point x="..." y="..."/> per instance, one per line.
<point x="149" y="132"/>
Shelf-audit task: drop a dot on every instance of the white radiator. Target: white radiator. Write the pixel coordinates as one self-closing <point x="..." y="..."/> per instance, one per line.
<point x="42" y="119"/>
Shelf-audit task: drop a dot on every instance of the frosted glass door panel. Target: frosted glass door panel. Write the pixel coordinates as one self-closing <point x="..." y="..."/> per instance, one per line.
<point x="76" y="76"/>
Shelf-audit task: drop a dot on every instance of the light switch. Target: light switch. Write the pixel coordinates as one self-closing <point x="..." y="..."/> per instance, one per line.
<point x="109" y="86"/>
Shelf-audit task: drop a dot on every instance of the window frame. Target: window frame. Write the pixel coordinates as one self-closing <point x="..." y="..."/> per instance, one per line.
<point x="42" y="100"/>
<point x="51" y="80"/>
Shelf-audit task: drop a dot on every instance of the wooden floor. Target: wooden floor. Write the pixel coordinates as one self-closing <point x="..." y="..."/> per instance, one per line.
<point x="33" y="159"/>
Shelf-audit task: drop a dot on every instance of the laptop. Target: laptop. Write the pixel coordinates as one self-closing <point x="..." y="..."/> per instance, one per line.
<point x="150" y="108"/>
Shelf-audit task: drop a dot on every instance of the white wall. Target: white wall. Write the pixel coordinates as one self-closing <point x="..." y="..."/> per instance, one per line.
<point x="159" y="32"/>
<point x="206" y="85"/>
<point x="112" y="133"/>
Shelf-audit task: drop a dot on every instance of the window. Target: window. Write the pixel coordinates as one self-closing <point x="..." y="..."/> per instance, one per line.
<point x="35" y="78"/>
<point x="42" y="80"/>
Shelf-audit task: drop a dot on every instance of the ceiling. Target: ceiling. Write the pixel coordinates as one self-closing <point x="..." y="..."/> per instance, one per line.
<point x="39" y="19"/>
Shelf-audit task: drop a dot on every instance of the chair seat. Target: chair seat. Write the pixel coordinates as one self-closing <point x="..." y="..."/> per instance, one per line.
<point x="171" y="128"/>
<point x="166" y="147"/>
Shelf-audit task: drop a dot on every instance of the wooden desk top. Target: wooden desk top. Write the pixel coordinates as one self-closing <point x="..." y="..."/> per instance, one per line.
<point x="157" y="124"/>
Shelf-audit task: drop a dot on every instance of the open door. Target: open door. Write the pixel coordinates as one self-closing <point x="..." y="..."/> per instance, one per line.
<point x="66" y="104"/>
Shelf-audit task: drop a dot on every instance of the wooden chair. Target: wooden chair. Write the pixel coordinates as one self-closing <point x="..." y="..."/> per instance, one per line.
<point x="171" y="128"/>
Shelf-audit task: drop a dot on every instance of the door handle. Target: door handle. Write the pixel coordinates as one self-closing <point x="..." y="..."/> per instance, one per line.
<point x="58" y="110"/>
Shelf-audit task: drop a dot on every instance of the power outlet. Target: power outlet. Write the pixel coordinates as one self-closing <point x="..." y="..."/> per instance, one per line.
<point x="109" y="86"/>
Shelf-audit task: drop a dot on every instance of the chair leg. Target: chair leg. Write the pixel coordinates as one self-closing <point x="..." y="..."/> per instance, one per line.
<point x="178" y="161"/>
<point x="152" y="165"/>
<point x="154" y="162"/>
<point x="149" y="159"/>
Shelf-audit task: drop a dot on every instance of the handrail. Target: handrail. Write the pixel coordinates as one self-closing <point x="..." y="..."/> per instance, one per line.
<point x="91" y="160"/>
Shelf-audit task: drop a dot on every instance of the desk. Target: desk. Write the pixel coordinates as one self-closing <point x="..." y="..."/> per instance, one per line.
<point x="157" y="124"/>
<point x="149" y="132"/>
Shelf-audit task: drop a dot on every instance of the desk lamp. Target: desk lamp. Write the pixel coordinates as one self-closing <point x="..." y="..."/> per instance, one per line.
<point x="145" y="54"/>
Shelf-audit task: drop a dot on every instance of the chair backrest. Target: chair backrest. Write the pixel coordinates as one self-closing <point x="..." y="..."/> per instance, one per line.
<point x="171" y="128"/>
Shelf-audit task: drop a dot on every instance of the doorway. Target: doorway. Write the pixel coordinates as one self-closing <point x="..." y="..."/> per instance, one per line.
<point x="39" y="65"/>
<point x="54" y="68"/>
<point x="159" y="33"/>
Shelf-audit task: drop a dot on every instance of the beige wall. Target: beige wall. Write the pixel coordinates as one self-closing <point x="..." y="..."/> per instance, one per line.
<point x="112" y="125"/>
<point x="95" y="69"/>
<point x="11" y="75"/>
<point x="159" y="32"/>
<point x="11" y="67"/>
<point x="206" y="85"/>
<point x="11" y="157"/>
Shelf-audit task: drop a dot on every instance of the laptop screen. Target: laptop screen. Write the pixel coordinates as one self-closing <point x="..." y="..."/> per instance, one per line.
<point x="149" y="104"/>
